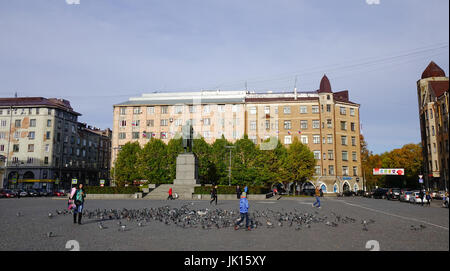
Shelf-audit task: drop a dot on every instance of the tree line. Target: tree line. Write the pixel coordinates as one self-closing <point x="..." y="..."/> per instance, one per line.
<point x="408" y="157"/>
<point x="251" y="164"/>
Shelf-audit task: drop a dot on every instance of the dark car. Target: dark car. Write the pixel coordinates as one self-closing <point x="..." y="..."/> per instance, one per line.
<point x="348" y="193"/>
<point x="393" y="193"/>
<point x="380" y="193"/>
<point x="309" y="191"/>
<point x="33" y="193"/>
<point x="43" y="193"/>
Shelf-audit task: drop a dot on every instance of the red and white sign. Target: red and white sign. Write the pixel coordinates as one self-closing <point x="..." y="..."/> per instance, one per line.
<point x="388" y="171"/>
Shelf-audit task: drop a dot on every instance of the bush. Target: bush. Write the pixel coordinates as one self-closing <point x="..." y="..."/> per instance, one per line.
<point x="225" y="189"/>
<point x="111" y="190"/>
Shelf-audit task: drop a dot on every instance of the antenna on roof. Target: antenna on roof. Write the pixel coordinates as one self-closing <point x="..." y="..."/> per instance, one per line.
<point x="295" y="88"/>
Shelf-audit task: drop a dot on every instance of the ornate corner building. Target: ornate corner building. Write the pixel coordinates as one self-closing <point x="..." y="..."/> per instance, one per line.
<point x="433" y="98"/>
<point x="45" y="146"/>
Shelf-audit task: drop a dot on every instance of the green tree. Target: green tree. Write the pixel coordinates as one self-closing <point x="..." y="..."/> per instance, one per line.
<point x="220" y="158"/>
<point x="271" y="161"/>
<point x="174" y="147"/>
<point x="298" y="164"/>
<point x="152" y="163"/>
<point x="125" y="166"/>
<point x="244" y="165"/>
<point x="206" y="169"/>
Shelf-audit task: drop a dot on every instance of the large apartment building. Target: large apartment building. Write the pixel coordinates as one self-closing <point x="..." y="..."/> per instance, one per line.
<point x="328" y="123"/>
<point x="433" y="98"/>
<point x="44" y="144"/>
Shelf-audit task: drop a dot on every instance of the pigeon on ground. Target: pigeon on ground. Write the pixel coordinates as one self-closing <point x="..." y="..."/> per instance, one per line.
<point x="50" y="234"/>
<point x="19" y="214"/>
<point x="50" y="215"/>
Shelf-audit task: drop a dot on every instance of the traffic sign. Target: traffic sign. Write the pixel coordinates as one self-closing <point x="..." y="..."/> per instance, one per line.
<point x="74" y="181"/>
<point x="420" y="180"/>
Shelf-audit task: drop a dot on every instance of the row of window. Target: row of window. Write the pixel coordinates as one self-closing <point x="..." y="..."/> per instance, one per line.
<point x="176" y="122"/>
<point x="345" y="171"/>
<point x="31" y="135"/>
<point x="316" y="139"/>
<point x="164" y="135"/>
<point x="287" y="124"/>
<point x="177" y="109"/>
<point x="39" y="111"/>
<point x="18" y="123"/>
<point x="30" y="160"/>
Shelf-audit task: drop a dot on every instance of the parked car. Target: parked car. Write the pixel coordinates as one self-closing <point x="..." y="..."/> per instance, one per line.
<point x="8" y="193"/>
<point x="348" y="193"/>
<point x="405" y="195"/>
<point x="43" y="193"/>
<point x="393" y="193"/>
<point x="438" y="194"/>
<point x="308" y="191"/>
<point x="414" y="198"/>
<point x="23" y="193"/>
<point x="58" y="193"/>
<point x="379" y="193"/>
<point x="33" y="193"/>
<point x="360" y="193"/>
<point x="369" y="194"/>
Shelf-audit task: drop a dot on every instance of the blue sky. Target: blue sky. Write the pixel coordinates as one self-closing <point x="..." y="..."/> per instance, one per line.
<point x="101" y="52"/>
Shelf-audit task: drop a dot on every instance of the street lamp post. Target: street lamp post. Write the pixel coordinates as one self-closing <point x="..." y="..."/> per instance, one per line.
<point x="229" y="170"/>
<point x="115" y="159"/>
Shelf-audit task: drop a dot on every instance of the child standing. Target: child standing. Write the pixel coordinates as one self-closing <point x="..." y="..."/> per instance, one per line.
<point x="243" y="209"/>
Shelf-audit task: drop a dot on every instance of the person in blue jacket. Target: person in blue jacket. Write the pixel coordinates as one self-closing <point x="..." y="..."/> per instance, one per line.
<point x="243" y="209"/>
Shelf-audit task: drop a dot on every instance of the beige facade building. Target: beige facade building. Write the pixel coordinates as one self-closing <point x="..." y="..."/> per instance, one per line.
<point x="433" y="98"/>
<point x="328" y="123"/>
<point x="44" y="144"/>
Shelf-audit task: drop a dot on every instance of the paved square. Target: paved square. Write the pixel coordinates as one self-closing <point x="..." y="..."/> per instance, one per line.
<point x="396" y="226"/>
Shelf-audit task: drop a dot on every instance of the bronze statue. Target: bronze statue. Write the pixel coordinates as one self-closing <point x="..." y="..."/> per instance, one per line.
<point x="188" y="137"/>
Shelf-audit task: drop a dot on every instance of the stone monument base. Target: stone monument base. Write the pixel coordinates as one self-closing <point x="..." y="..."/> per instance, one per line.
<point x="187" y="170"/>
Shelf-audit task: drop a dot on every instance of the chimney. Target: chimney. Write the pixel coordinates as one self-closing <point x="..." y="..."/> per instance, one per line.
<point x="295" y="89"/>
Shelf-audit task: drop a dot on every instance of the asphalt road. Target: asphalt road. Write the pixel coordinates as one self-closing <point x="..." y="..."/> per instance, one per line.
<point x="396" y="227"/>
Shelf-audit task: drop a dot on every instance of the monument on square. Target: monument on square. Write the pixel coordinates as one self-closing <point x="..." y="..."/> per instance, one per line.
<point x="187" y="162"/>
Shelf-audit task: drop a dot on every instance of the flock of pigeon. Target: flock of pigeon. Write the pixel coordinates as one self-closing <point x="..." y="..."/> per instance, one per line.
<point x="186" y="217"/>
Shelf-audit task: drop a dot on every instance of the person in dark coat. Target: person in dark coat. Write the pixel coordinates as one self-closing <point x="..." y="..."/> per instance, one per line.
<point x="213" y="195"/>
<point x="238" y="192"/>
<point x="79" y="202"/>
<point x="421" y="195"/>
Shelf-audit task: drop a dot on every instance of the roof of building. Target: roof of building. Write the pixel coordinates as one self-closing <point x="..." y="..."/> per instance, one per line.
<point x="439" y="87"/>
<point x="280" y="99"/>
<point x="180" y="101"/>
<point x="325" y="85"/>
<point x="433" y="70"/>
<point x="38" y="102"/>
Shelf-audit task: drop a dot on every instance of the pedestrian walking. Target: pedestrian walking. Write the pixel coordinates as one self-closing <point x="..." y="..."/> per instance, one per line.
<point x="238" y="192"/>
<point x="421" y="196"/>
<point x="243" y="210"/>
<point x="170" y="194"/>
<point x="79" y="203"/>
<point x="213" y="195"/>
<point x="428" y="197"/>
<point x="71" y="203"/>
<point x="317" y="195"/>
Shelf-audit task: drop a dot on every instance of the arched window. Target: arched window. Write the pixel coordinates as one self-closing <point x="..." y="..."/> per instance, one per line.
<point x="324" y="188"/>
<point x="335" y="188"/>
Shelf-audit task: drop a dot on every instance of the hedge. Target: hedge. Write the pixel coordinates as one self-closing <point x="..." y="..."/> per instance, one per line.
<point x="111" y="190"/>
<point x="225" y="189"/>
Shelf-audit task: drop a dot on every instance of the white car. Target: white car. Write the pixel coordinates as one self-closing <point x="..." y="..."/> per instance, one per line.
<point x="414" y="198"/>
<point x="405" y="196"/>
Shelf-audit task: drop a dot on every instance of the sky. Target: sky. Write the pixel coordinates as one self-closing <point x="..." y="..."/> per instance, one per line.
<point x="97" y="53"/>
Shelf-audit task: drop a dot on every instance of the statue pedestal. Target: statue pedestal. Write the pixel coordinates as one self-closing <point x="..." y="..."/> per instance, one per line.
<point x="187" y="170"/>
